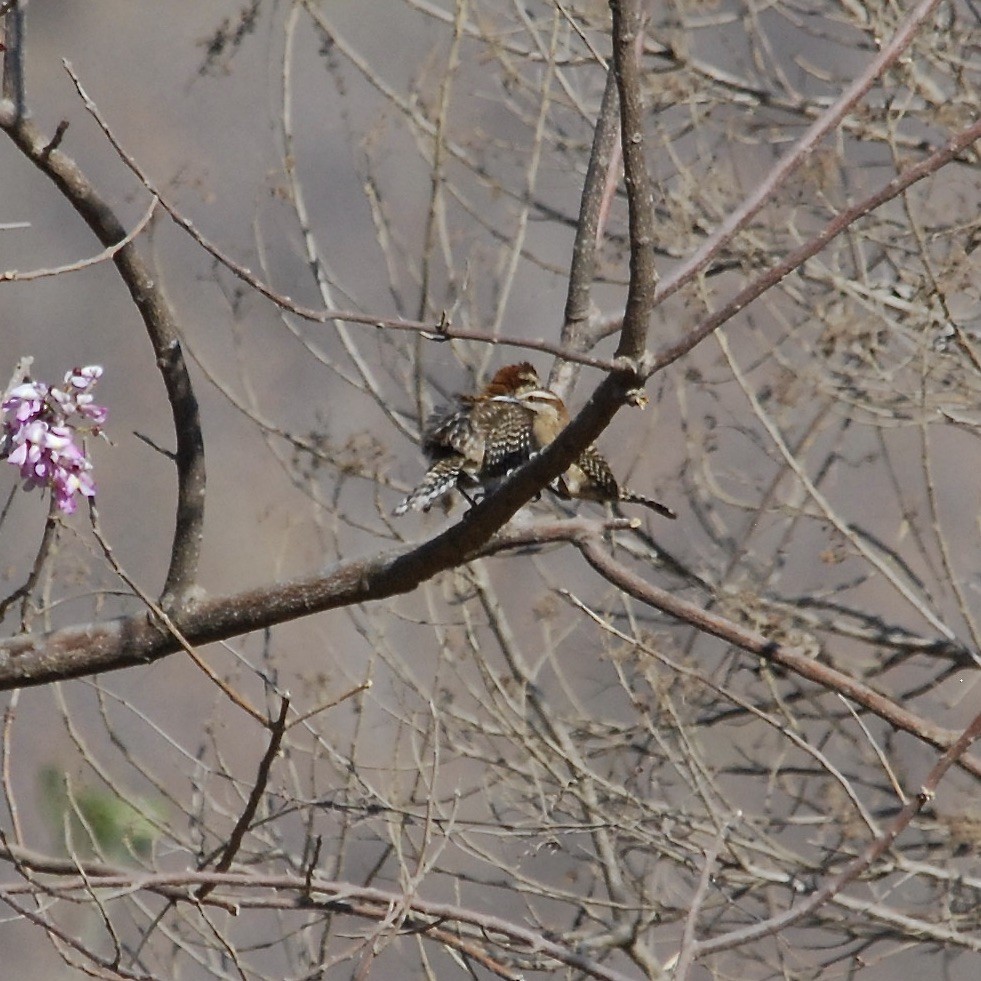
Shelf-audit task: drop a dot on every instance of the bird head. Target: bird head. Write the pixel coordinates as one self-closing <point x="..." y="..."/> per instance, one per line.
<point x="512" y="379"/>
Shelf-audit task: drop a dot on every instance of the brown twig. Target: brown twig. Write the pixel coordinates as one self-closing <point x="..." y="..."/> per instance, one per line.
<point x="878" y="847"/>
<point x="14" y="276"/>
<point x="277" y="730"/>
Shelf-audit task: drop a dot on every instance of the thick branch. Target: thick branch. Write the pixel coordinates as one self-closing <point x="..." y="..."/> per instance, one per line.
<point x="640" y="197"/>
<point x="129" y="641"/>
<point x="143" y="283"/>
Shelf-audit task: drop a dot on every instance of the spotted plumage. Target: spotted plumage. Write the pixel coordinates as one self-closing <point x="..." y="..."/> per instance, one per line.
<point x="591" y="479"/>
<point x="477" y="439"/>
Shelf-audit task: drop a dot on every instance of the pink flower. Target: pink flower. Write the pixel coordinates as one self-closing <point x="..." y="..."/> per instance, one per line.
<point x="39" y="439"/>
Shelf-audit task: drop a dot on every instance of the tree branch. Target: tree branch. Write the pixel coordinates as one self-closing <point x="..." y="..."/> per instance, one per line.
<point x="756" y="643"/>
<point x="929" y="165"/>
<point x="286" y="891"/>
<point x="640" y="197"/>
<point x="793" y="159"/>
<point x="143" y="282"/>
<point x="582" y="270"/>
<point x="916" y="803"/>
<point x="228" y="853"/>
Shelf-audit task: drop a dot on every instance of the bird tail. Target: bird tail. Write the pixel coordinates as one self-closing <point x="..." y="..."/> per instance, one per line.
<point x="630" y="497"/>
<point x="440" y="479"/>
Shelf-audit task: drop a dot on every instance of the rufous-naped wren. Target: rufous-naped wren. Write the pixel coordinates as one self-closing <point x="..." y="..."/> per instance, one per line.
<point x="479" y="439"/>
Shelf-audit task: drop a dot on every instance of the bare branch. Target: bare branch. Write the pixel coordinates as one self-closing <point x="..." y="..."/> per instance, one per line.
<point x="929" y="165"/>
<point x="144" y="285"/>
<point x="800" y="152"/>
<point x="277" y="730"/>
<point x="627" y="42"/>
<point x="916" y="803"/>
<point x="755" y="643"/>
<point x="285" y="892"/>
<point x="14" y="276"/>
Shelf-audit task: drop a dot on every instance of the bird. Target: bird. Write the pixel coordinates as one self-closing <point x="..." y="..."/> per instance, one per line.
<point x="477" y="439"/>
<point x="480" y="439"/>
<point x="591" y="479"/>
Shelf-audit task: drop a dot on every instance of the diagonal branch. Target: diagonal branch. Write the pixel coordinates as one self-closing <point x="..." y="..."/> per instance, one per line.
<point x="927" y="166"/>
<point x="793" y="159"/>
<point x="603" y="158"/>
<point x="137" y="640"/>
<point x="228" y="853"/>
<point x="877" y="848"/>
<point x="756" y="643"/>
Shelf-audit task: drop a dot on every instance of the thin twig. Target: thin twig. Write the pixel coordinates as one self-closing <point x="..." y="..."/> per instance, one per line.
<point x="434" y="332"/>
<point x="12" y="275"/>
<point x="304" y="891"/>
<point x="899" y="583"/>
<point x="277" y="730"/>
<point x="685" y="958"/>
<point x="878" y="847"/>
<point x="163" y="618"/>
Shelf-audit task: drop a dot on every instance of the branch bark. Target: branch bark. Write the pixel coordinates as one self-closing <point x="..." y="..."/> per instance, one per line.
<point x="640" y="197"/>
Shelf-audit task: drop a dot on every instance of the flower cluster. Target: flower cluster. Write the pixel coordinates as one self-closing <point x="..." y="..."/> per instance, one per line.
<point x="39" y="436"/>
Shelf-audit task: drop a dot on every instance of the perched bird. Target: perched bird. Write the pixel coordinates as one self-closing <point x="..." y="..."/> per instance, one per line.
<point x="591" y="479"/>
<point x="481" y="438"/>
<point x="477" y="439"/>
